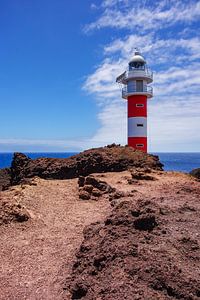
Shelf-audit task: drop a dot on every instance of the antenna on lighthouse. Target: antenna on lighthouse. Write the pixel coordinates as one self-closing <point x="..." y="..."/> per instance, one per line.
<point x="137" y="50"/>
<point x="136" y="90"/>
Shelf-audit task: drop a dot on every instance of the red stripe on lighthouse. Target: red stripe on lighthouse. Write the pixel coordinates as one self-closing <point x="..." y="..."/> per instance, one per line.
<point x="139" y="143"/>
<point x="137" y="106"/>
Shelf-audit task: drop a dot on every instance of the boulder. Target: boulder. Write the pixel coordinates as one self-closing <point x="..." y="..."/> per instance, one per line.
<point x="92" y="188"/>
<point x="5" y="178"/>
<point x="84" y="195"/>
<point x="196" y="173"/>
<point x="12" y="212"/>
<point x="141" y="175"/>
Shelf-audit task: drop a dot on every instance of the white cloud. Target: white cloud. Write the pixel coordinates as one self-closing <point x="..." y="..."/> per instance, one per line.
<point x="158" y="50"/>
<point x="43" y="145"/>
<point x="174" y="110"/>
<point x="111" y="3"/>
<point x="102" y="81"/>
<point x="113" y="122"/>
<point x="182" y="73"/>
<point x="93" y="6"/>
<point x="136" y="15"/>
<point x="174" y="123"/>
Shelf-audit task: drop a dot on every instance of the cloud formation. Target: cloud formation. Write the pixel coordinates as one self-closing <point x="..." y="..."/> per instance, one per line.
<point x="145" y="15"/>
<point x="165" y="32"/>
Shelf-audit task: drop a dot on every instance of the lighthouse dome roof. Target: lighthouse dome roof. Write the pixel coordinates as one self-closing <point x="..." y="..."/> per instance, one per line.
<point x="137" y="58"/>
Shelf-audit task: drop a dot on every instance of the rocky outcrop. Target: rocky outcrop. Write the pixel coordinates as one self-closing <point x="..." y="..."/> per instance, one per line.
<point x="113" y="158"/>
<point x="19" y="162"/>
<point x="92" y="188"/>
<point x="135" y="254"/>
<point x="106" y="159"/>
<point x="140" y="174"/>
<point x="196" y="173"/>
<point x="11" y="211"/>
<point x="5" y="178"/>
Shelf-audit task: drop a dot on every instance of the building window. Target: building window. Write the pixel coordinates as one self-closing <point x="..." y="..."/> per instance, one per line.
<point x="139" y="105"/>
<point x="139" y="85"/>
<point x="140" y="125"/>
<point x="139" y="145"/>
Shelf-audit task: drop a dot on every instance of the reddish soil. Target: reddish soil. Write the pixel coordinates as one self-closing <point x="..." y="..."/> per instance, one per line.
<point x="37" y="255"/>
<point x="148" y="248"/>
<point x="145" y="245"/>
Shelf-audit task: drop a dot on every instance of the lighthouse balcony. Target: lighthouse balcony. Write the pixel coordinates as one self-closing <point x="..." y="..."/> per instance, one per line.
<point x="136" y="73"/>
<point x="146" y="91"/>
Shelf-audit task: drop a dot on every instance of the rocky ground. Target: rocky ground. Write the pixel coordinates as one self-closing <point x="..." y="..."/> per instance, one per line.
<point x="113" y="157"/>
<point x="37" y="251"/>
<point x="148" y="247"/>
<point x="143" y="242"/>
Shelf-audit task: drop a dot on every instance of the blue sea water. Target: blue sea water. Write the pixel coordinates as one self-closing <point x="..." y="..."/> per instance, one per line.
<point x="184" y="162"/>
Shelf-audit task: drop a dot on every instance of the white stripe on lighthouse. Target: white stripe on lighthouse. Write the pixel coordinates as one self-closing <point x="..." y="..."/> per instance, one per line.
<point x="137" y="127"/>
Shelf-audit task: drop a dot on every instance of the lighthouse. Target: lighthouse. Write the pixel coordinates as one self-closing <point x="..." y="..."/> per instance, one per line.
<point x="136" y="91"/>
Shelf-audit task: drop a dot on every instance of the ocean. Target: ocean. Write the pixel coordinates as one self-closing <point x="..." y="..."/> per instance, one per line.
<point x="183" y="162"/>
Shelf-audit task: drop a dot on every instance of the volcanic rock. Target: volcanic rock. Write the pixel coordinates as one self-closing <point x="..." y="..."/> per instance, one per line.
<point x="5" y="178"/>
<point x="81" y="181"/>
<point x="117" y="195"/>
<point x="12" y="212"/>
<point x="96" y="193"/>
<point x="141" y="174"/>
<point x="91" y="186"/>
<point x="88" y="188"/>
<point x="196" y="173"/>
<point x="99" y="184"/>
<point x="132" y="256"/>
<point x="106" y="159"/>
<point x="84" y="195"/>
<point x="147" y="247"/>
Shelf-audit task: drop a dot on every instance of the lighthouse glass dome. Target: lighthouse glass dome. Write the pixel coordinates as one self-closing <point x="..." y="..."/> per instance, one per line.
<point x="137" y="71"/>
<point x="137" y="61"/>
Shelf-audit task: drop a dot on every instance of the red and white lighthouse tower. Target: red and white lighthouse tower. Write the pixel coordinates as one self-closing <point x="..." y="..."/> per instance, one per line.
<point x="136" y="90"/>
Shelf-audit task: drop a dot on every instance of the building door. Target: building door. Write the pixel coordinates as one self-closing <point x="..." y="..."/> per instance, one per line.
<point x="139" y="85"/>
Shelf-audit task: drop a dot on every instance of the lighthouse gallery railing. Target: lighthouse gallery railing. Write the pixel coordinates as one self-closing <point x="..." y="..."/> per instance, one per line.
<point x="135" y="72"/>
<point x="133" y="90"/>
<point x="139" y="72"/>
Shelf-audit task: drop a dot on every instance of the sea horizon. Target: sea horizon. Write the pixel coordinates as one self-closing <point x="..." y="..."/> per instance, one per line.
<point x="154" y="153"/>
<point x="172" y="161"/>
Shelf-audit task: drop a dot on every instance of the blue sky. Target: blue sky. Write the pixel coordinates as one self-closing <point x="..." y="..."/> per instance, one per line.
<point x="58" y="64"/>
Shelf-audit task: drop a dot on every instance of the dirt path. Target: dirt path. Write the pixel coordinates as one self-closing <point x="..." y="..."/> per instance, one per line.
<point x="37" y="255"/>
